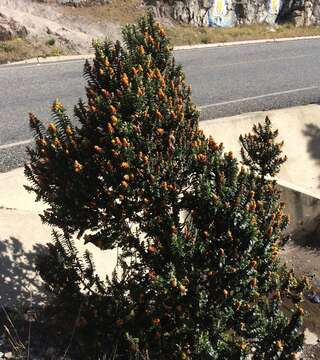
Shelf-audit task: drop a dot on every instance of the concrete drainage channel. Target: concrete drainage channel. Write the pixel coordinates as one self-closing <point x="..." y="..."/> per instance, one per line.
<point x="299" y="179"/>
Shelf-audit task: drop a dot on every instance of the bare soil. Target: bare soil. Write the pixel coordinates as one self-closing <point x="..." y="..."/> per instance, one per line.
<point x="304" y="258"/>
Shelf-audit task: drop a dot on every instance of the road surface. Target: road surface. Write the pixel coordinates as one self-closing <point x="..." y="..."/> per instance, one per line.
<point x="225" y="80"/>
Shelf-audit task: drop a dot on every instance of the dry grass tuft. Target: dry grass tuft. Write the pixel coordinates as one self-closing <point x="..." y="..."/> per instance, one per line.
<point x="190" y="35"/>
<point x="119" y="11"/>
<point x="21" y="49"/>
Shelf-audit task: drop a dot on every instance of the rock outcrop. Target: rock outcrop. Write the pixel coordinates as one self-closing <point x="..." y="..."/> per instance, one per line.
<point x="10" y="29"/>
<point x="224" y="13"/>
<point x="300" y="12"/>
<point x="77" y="3"/>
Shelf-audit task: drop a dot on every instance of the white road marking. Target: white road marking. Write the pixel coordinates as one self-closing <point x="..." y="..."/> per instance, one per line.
<point x="258" y="97"/>
<point x="263" y="60"/>
<point x="40" y="65"/>
<point x="25" y="142"/>
<point x="18" y="143"/>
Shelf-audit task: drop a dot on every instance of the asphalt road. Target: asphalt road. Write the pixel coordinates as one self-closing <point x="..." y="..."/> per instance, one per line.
<point x="225" y="80"/>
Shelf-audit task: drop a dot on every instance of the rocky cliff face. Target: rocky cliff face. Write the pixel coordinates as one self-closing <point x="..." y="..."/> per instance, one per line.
<point x="301" y="12"/>
<point x="224" y="13"/>
<point x="77" y="3"/>
<point x="10" y="29"/>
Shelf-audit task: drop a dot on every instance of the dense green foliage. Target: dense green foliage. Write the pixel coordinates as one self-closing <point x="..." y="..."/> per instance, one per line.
<point x="198" y="273"/>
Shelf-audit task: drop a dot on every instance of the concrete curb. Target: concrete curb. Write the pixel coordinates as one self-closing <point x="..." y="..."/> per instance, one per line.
<point x="50" y="59"/>
<point x="246" y="42"/>
<point x="43" y="60"/>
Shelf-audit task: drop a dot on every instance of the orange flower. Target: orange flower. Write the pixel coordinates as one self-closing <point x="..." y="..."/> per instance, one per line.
<point x="105" y="93"/>
<point x="57" y="105"/>
<point x="164" y="185"/>
<point x="152" y="275"/>
<point x="150" y="74"/>
<point x="141" y="50"/>
<point x="41" y="142"/>
<point x="77" y="166"/>
<point x="110" y="128"/>
<point x="52" y="128"/>
<point x="159" y="115"/>
<point x="112" y="109"/>
<point x="114" y="120"/>
<point x="125" y="80"/>
<point x="139" y="92"/>
<point x="183" y="290"/>
<point x="294" y="356"/>
<point x="277" y="295"/>
<point x="162" y="32"/>
<point x="126" y="177"/>
<point x="125" y="142"/>
<point x="124" y="165"/>
<point x="253" y="263"/>
<point x="183" y="356"/>
<point x="173" y="282"/>
<point x="300" y="311"/>
<point x="152" y="249"/>
<point x="57" y="142"/>
<point x="98" y="149"/>
<point x="160" y="131"/>
<point x="253" y="282"/>
<point x="117" y="141"/>
<point x="69" y="131"/>
<point x="124" y="184"/>
<point x="237" y="304"/>
<point x="201" y="157"/>
<point x="161" y="94"/>
<point x="243" y="346"/>
<point x="156" y="321"/>
<point x="101" y="72"/>
<point x="279" y="345"/>
<point x="157" y="73"/>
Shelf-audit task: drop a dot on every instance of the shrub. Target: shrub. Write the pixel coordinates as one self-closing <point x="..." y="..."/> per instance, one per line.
<point x="51" y="41"/>
<point x="199" y="236"/>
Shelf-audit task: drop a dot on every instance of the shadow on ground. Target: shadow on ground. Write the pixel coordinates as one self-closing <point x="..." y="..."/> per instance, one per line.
<point x="312" y="131"/>
<point x="19" y="282"/>
<point x="308" y="235"/>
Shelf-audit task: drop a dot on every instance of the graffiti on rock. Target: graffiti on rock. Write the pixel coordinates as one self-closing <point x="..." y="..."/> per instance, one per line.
<point x="228" y="13"/>
<point x="221" y="14"/>
<point x="274" y="9"/>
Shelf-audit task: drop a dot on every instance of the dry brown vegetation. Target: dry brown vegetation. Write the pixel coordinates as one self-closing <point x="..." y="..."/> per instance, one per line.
<point x="190" y="35"/>
<point x="120" y="11"/>
<point x="21" y="49"/>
